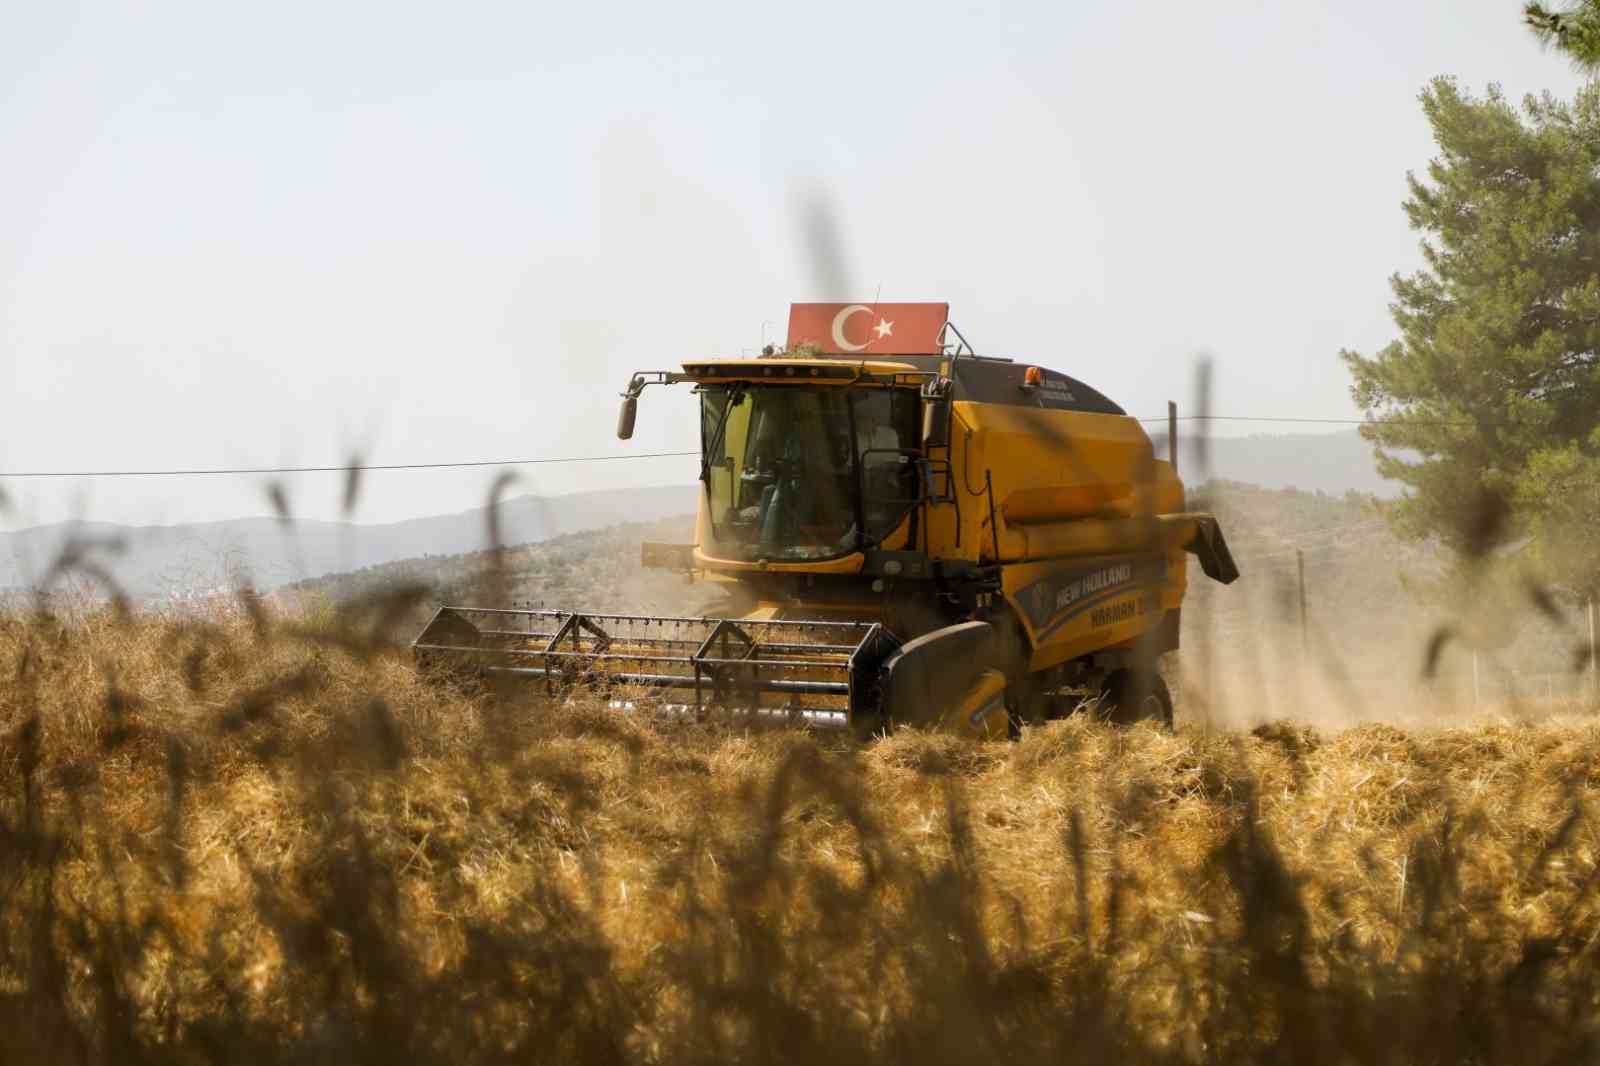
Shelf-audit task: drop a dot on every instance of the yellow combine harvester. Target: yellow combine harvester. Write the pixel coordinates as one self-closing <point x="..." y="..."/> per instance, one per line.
<point x="908" y="533"/>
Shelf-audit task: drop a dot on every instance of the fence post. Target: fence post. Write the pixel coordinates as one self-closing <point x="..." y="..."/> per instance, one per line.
<point x="1172" y="434"/>
<point x="1594" y="667"/>
<point x="1300" y="565"/>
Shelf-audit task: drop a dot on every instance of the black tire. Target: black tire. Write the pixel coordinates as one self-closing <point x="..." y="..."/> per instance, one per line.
<point x="1128" y="697"/>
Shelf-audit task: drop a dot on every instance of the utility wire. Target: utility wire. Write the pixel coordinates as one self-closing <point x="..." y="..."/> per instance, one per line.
<point x="577" y="458"/>
<point x="1310" y="549"/>
<point x="341" y="469"/>
<point x="1345" y="527"/>
<point x="1322" y="539"/>
<point x="1320" y="421"/>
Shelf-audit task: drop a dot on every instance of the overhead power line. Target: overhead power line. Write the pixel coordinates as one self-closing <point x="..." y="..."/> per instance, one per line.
<point x="1319" y="421"/>
<point x="342" y="469"/>
<point x="366" y="467"/>
<point x="1307" y="549"/>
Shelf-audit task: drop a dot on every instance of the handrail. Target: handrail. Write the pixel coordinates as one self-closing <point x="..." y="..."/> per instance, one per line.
<point x="964" y="343"/>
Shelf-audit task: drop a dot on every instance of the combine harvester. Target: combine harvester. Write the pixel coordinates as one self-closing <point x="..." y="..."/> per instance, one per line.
<point x="908" y="533"/>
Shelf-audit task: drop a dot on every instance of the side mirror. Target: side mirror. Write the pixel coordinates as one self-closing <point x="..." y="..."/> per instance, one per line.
<point x="627" y="416"/>
<point x="936" y="414"/>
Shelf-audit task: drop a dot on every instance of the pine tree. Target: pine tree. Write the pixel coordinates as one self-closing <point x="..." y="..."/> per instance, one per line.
<point x="1494" y="385"/>
<point x="1575" y="31"/>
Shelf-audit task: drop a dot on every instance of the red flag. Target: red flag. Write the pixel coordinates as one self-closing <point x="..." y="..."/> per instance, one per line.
<point x="868" y="329"/>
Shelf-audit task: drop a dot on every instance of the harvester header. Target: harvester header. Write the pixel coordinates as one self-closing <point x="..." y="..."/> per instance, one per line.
<point x="905" y="531"/>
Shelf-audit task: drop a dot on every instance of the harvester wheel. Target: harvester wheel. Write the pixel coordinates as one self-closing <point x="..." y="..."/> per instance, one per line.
<point x="1131" y="696"/>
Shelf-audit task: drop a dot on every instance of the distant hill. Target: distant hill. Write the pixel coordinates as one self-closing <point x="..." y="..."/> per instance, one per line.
<point x="595" y="570"/>
<point x="1334" y="463"/>
<point x="154" y="563"/>
<point x="161" y="562"/>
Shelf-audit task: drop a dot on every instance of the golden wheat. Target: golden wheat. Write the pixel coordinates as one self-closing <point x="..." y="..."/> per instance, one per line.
<point x="246" y="837"/>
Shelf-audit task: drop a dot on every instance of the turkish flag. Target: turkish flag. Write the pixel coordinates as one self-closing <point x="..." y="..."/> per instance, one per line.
<point x="868" y="329"/>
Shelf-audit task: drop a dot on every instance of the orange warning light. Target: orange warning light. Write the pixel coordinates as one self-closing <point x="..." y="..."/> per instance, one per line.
<point x="1032" y="378"/>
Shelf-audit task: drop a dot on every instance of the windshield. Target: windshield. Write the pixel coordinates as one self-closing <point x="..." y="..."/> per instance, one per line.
<point x="797" y="473"/>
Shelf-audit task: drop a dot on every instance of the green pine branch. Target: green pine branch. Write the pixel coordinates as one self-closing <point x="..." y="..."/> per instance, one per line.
<point x="1575" y="31"/>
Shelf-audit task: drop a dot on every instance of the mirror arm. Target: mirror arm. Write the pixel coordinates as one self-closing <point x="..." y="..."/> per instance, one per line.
<point x="641" y="378"/>
<point x="630" y="396"/>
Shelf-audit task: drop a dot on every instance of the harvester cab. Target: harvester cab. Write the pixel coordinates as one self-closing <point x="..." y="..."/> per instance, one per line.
<point x="907" y="533"/>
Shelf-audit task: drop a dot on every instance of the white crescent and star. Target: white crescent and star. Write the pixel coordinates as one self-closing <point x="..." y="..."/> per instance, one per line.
<point x="883" y="329"/>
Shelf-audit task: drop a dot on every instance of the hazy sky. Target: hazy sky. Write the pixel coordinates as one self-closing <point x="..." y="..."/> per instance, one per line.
<point x="259" y="234"/>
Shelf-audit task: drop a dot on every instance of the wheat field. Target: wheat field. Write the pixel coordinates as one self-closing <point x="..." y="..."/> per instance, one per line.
<point x="264" y="838"/>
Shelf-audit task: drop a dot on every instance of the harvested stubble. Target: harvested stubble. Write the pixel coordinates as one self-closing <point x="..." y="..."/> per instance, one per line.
<point x="250" y="840"/>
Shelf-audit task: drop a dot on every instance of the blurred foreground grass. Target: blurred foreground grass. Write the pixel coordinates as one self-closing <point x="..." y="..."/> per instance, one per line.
<point x="266" y="840"/>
